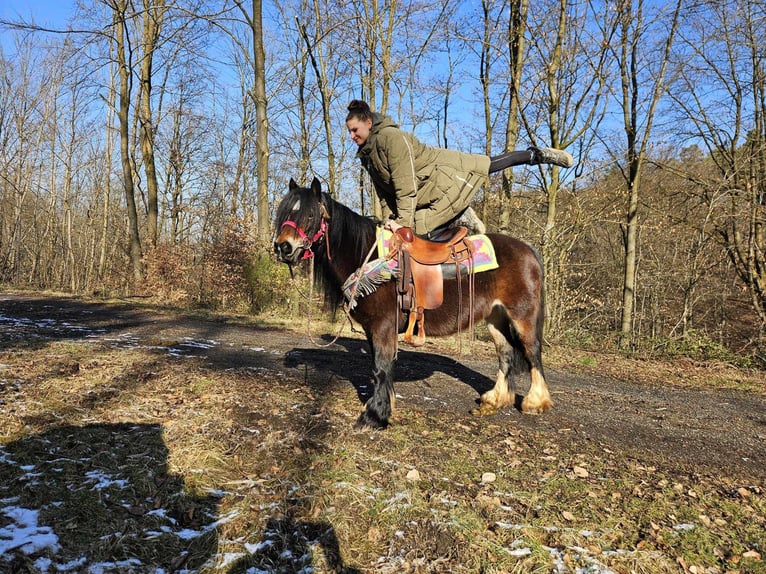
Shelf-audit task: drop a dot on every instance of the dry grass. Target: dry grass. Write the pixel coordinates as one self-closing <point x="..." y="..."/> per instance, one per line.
<point x="141" y="458"/>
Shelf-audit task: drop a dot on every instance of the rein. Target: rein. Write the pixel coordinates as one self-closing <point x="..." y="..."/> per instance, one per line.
<point x="309" y="254"/>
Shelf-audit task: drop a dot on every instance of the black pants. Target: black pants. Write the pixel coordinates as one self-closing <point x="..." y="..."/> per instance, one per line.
<point x="496" y="163"/>
<point x="509" y="159"/>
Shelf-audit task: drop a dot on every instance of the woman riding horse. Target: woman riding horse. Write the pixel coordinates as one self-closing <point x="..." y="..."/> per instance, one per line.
<point x="310" y="224"/>
<point x="424" y="187"/>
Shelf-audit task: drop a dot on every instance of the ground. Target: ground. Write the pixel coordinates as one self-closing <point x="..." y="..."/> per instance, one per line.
<point x="677" y="428"/>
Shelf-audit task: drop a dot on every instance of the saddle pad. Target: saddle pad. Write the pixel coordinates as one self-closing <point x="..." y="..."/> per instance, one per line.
<point x="483" y="251"/>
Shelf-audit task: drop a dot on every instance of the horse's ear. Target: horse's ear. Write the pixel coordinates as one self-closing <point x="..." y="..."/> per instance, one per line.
<point x="293" y="185"/>
<point x="316" y="187"/>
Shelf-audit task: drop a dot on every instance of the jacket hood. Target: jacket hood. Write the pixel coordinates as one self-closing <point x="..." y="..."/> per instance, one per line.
<point x="379" y="121"/>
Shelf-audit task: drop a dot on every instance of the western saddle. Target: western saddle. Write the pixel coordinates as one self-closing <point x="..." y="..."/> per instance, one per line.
<point x="420" y="281"/>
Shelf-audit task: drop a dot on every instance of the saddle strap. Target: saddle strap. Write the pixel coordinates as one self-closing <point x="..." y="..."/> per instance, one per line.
<point x="404" y="286"/>
<point x="462" y="251"/>
<point x="420" y="286"/>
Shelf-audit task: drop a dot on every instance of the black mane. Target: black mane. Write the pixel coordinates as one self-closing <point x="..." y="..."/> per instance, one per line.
<point x="349" y="238"/>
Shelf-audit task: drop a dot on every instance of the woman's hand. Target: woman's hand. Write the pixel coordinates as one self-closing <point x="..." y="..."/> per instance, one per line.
<point x="391" y="225"/>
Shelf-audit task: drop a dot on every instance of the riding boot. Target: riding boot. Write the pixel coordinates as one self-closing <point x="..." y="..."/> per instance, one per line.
<point x="470" y="220"/>
<point x="549" y="155"/>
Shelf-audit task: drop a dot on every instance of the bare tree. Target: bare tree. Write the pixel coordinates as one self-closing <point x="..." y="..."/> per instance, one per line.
<point x="316" y="55"/>
<point x="566" y="80"/>
<point x="257" y="92"/>
<point x="721" y="96"/>
<point x="153" y="18"/>
<point x="517" y="27"/>
<point x="633" y="36"/>
<point x="123" y="54"/>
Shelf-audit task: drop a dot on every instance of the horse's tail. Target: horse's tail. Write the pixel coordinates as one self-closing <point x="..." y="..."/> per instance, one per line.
<point x="541" y="312"/>
<point x="518" y="362"/>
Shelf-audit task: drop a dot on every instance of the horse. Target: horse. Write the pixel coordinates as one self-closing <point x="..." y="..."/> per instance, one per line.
<point x="510" y="299"/>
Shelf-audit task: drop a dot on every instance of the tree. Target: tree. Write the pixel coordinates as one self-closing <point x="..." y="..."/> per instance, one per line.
<point x="517" y="28"/>
<point x="637" y="123"/>
<point x="720" y="97"/>
<point x="153" y="19"/>
<point x="562" y="91"/>
<point x="123" y="55"/>
<point x="257" y="92"/>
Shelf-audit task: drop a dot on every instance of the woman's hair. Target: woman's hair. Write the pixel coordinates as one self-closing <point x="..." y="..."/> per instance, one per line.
<point x="360" y="110"/>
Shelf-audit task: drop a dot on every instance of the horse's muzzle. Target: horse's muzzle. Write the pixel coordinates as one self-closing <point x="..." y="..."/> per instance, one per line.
<point x="285" y="251"/>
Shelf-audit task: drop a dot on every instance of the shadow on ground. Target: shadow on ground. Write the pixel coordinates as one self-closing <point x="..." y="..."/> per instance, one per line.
<point x="99" y="497"/>
<point x="350" y="359"/>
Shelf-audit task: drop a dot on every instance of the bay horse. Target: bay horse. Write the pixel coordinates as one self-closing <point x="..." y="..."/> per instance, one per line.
<point x="310" y="223"/>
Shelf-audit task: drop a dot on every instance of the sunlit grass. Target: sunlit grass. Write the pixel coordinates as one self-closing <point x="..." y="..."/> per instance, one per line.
<point x="125" y="448"/>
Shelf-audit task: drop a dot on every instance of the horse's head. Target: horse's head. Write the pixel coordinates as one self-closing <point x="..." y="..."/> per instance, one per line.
<point x="301" y="222"/>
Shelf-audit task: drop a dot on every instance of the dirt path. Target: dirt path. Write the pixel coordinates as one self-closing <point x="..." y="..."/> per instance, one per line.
<point x="699" y="431"/>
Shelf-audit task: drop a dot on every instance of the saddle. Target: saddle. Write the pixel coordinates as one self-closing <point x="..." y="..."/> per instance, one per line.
<point x="420" y="282"/>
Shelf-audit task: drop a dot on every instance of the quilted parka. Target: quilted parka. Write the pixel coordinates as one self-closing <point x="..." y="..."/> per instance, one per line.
<point x="422" y="186"/>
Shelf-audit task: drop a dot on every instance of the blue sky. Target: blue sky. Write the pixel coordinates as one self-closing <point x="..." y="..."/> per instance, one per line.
<point x="46" y="13"/>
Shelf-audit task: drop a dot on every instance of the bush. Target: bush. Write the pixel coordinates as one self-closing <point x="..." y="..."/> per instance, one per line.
<point x="272" y="290"/>
<point x="696" y="345"/>
<point x="167" y="274"/>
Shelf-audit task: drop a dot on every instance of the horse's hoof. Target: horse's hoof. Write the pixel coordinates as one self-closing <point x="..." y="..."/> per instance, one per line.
<point x="370" y="421"/>
<point x="415" y="341"/>
<point x="529" y="409"/>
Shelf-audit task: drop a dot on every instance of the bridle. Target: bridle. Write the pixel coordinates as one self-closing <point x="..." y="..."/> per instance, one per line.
<point x="308" y="243"/>
<point x="308" y="253"/>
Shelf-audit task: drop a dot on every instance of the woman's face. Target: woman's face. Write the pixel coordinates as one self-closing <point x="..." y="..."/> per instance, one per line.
<point x="359" y="130"/>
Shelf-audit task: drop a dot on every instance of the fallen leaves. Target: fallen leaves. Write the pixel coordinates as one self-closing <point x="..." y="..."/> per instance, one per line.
<point x="752" y="555"/>
<point x="580" y="472"/>
<point x="488" y="478"/>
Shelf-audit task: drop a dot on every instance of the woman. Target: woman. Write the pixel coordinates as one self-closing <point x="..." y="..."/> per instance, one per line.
<point x="424" y="187"/>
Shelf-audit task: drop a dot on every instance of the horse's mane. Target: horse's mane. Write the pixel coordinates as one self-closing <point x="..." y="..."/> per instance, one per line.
<point x="349" y="237"/>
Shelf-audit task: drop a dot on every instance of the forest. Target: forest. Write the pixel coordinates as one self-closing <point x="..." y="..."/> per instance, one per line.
<point x="145" y="144"/>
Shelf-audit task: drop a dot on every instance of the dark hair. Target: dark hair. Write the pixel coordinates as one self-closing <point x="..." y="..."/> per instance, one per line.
<point x="360" y="110"/>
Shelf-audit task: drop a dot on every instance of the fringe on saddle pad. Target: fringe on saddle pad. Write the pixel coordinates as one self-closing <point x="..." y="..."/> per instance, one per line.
<point x="366" y="279"/>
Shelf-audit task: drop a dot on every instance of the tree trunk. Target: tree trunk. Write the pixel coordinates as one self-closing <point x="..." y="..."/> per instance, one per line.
<point x="262" y="123"/>
<point x="152" y="24"/>
<point x="517" y="26"/>
<point x="123" y="115"/>
<point x="633" y="38"/>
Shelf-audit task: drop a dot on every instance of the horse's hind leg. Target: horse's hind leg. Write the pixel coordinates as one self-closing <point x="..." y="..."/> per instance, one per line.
<point x="518" y="347"/>
<point x="499" y="329"/>
<point x="538" y="399"/>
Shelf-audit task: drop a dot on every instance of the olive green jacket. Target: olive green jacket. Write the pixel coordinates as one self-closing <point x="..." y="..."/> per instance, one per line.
<point x="423" y="187"/>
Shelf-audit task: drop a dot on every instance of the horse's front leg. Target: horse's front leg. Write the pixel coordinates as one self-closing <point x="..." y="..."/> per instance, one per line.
<point x="380" y="405"/>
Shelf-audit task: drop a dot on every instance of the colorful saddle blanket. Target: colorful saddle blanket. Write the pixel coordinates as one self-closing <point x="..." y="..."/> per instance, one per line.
<point x="366" y="279"/>
<point x="483" y="251"/>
